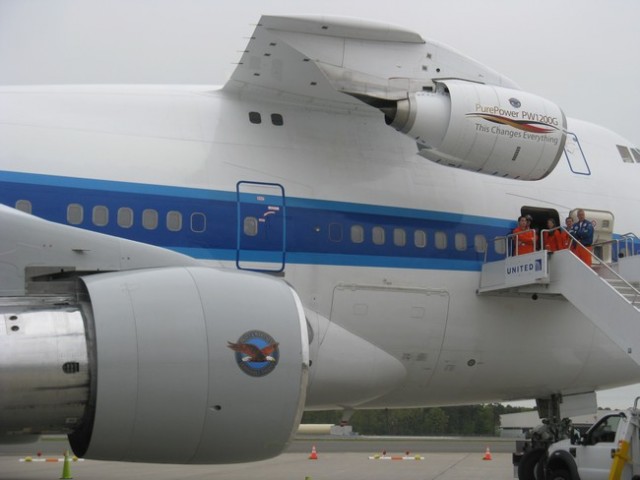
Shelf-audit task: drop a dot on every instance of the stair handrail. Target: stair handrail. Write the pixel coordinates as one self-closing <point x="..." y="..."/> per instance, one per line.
<point x="546" y="230"/>
<point x="603" y="264"/>
<point x="627" y="237"/>
<point x="611" y="271"/>
<point x="629" y="241"/>
<point x="510" y="247"/>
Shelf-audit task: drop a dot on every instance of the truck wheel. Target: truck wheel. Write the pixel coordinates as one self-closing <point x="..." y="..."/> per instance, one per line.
<point x="527" y="469"/>
<point x="559" y="475"/>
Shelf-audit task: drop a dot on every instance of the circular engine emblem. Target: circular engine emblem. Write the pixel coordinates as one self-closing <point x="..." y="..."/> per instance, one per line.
<point x="515" y="103"/>
<point x="257" y="353"/>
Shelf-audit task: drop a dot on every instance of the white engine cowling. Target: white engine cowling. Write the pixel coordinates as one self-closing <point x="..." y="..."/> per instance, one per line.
<point x="484" y="128"/>
<point x="170" y="382"/>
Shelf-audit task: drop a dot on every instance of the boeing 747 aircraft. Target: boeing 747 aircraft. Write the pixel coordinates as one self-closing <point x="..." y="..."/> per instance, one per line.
<point x="185" y="269"/>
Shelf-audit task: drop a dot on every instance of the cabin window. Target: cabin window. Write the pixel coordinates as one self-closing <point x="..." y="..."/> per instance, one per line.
<point x="75" y="214"/>
<point x="480" y="243"/>
<point x="357" y="234"/>
<point x="500" y="245"/>
<point x="377" y="235"/>
<point x="399" y="237"/>
<point x="24" y="206"/>
<point x="335" y="232"/>
<point x="100" y="215"/>
<point x="125" y="217"/>
<point x="250" y="226"/>
<point x="636" y="154"/>
<point x="150" y="219"/>
<point x="277" y="119"/>
<point x="461" y="242"/>
<point x="441" y="240"/>
<point x="255" y="117"/>
<point x="420" y="238"/>
<point x="174" y="221"/>
<point x="625" y="154"/>
<point x="198" y="222"/>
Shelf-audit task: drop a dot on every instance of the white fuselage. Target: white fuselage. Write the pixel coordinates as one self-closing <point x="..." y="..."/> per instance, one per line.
<point x="339" y="169"/>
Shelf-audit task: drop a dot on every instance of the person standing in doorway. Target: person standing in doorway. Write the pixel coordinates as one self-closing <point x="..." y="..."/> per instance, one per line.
<point x="582" y="231"/>
<point x="524" y="237"/>
<point x="564" y="238"/>
<point x="551" y="237"/>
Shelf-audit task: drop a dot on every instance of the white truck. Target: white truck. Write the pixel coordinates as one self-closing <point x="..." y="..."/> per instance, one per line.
<point x="610" y="449"/>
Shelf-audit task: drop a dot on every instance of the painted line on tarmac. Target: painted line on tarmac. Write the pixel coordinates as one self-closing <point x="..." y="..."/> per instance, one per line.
<point x="48" y="460"/>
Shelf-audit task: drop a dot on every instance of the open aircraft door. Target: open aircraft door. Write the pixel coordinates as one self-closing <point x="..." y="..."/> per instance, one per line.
<point x="261" y="226"/>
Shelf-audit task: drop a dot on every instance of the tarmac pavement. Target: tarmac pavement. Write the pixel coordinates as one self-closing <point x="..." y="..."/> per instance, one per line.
<point x="343" y="464"/>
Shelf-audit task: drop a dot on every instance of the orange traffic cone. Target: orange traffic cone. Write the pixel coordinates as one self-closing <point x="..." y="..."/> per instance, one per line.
<point x="487" y="455"/>
<point x="314" y="454"/>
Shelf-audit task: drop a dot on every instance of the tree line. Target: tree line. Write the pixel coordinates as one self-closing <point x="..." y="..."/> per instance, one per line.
<point x="463" y="420"/>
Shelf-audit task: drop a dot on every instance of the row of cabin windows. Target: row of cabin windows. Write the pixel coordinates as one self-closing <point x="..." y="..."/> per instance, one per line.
<point x="150" y="220"/>
<point x="379" y="236"/>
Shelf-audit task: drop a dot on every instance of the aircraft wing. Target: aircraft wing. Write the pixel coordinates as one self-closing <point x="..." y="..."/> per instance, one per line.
<point x="33" y="252"/>
<point x="319" y="59"/>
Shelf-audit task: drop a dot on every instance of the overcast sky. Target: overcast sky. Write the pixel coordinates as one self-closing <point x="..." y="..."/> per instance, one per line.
<point x="581" y="54"/>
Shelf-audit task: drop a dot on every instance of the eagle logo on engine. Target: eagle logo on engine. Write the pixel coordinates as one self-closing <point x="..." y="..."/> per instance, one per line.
<point x="257" y="353"/>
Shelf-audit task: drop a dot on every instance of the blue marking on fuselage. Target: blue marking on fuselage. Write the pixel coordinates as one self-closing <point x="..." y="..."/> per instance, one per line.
<point x="307" y="223"/>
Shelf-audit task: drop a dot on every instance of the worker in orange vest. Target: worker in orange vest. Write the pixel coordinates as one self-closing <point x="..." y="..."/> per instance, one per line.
<point x="524" y="237"/>
<point x="552" y="237"/>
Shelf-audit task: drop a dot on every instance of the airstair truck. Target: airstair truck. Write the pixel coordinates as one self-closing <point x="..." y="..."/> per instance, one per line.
<point x="610" y="449"/>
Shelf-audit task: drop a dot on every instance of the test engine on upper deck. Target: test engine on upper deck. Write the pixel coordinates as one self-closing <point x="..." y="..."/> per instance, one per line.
<point x="483" y="128"/>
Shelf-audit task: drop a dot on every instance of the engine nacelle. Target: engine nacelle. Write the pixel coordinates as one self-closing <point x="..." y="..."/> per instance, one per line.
<point x="484" y="128"/>
<point x="185" y="365"/>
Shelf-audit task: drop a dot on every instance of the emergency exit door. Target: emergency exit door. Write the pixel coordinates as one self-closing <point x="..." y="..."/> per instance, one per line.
<point x="261" y="226"/>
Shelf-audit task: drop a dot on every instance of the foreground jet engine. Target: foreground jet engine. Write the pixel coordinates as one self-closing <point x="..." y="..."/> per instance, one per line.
<point x="137" y="366"/>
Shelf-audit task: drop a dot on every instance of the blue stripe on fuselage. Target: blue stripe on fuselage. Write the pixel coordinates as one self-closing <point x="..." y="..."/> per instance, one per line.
<point x="307" y="222"/>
